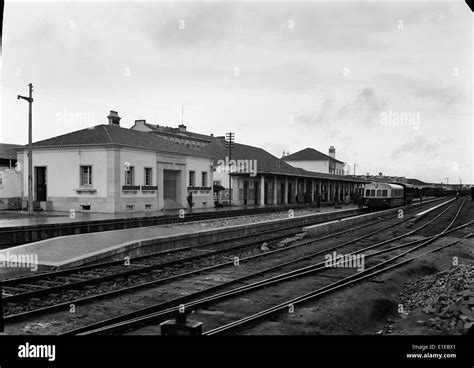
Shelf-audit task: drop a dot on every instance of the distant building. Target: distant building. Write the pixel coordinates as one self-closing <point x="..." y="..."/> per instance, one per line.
<point x="382" y="178"/>
<point x="313" y="160"/>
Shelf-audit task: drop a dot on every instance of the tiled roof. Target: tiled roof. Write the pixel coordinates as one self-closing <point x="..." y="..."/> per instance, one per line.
<point x="7" y="151"/>
<point x="309" y="154"/>
<point x="266" y="162"/>
<point x="107" y="135"/>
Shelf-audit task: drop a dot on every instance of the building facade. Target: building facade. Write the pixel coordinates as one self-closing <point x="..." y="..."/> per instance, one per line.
<point x="313" y="160"/>
<point x="111" y="169"/>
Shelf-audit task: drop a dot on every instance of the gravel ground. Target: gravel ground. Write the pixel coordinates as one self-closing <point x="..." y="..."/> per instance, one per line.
<point x="447" y="297"/>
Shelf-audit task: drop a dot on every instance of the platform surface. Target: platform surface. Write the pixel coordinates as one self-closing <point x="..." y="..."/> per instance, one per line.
<point x="21" y="218"/>
<point x="61" y="250"/>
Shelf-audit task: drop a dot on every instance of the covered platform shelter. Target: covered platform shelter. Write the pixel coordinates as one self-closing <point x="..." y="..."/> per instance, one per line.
<point x="259" y="178"/>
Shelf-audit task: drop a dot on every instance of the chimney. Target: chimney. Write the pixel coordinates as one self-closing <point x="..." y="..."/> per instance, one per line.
<point x="332" y="152"/>
<point x="114" y="118"/>
<point x="140" y="125"/>
<point x="182" y="128"/>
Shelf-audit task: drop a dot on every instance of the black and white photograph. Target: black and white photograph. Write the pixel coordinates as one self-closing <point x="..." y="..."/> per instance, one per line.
<point x="237" y="176"/>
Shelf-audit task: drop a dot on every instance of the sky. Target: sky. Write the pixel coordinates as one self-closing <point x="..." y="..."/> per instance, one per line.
<point x="388" y="84"/>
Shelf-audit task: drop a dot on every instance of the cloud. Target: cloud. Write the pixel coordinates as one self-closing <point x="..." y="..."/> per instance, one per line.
<point x="434" y="92"/>
<point x="419" y="145"/>
<point x="363" y="110"/>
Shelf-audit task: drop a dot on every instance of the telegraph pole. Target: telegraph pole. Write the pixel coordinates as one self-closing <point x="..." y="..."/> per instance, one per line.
<point x="30" y="153"/>
<point x="2" y="324"/>
<point x="230" y="143"/>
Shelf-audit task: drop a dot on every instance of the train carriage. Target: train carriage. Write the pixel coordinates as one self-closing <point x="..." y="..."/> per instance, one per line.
<point x="384" y="195"/>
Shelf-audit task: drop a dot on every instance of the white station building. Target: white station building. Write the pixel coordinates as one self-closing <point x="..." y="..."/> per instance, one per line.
<point x="107" y="168"/>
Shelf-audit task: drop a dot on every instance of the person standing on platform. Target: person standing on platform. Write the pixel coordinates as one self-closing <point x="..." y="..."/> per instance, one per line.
<point x="190" y="201"/>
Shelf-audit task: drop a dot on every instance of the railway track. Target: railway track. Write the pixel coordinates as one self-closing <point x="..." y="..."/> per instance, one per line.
<point x="21" y="297"/>
<point x="168" y="307"/>
<point x="32" y="287"/>
<point x="377" y="268"/>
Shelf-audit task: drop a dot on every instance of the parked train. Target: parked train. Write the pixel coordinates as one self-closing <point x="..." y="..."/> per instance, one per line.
<point x="386" y="195"/>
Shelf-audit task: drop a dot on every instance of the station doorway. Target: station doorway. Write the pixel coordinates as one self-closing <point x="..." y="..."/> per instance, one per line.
<point x="170" y="184"/>
<point x="40" y="183"/>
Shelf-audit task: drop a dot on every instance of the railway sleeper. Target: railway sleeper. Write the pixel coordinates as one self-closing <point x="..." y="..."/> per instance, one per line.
<point x="51" y="283"/>
<point x="72" y="278"/>
<point x="12" y="290"/>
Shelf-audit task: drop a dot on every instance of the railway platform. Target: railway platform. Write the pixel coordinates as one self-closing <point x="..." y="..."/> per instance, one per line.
<point x="49" y="225"/>
<point x="20" y="218"/>
<point x="75" y="250"/>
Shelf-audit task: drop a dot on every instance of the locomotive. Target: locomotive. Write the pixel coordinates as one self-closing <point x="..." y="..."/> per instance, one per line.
<point x="387" y="195"/>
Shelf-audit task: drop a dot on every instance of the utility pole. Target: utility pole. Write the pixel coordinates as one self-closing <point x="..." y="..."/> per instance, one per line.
<point x="2" y="325"/>
<point x="30" y="153"/>
<point x="230" y="143"/>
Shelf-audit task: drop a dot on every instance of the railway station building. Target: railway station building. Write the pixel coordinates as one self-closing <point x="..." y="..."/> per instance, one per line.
<point x="255" y="173"/>
<point x="111" y="169"/>
<point x="107" y="168"/>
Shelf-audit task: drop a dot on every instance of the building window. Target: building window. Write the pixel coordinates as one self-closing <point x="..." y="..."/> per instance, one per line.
<point x="1" y="178"/>
<point x="217" y="182"/>
<point x="130" y="176"/>
<point x="192" y="178"/>
<point x="204" y="179"/>
<point x="148" y="176"/>
<point x="86" y="175"/>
